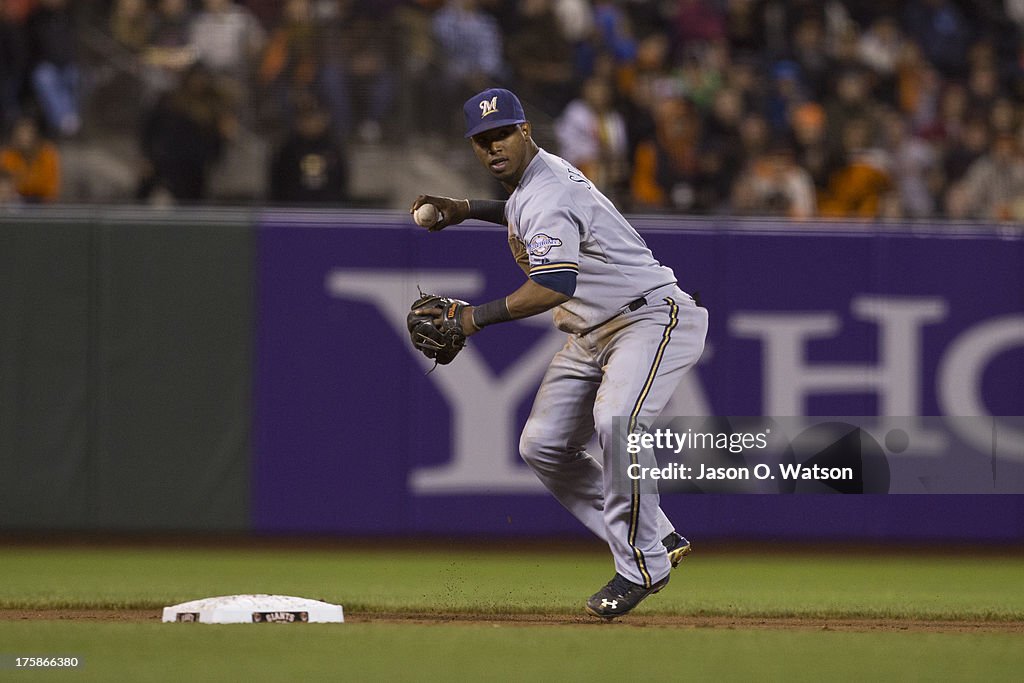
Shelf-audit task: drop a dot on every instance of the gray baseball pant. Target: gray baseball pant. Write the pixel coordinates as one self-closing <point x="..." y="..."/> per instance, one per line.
<point x="628" y="369"/>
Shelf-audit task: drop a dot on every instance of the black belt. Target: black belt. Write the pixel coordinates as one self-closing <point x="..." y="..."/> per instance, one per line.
<point x="633" y="305"/>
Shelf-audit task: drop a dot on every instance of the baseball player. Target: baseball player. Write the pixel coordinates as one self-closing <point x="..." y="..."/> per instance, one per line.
<point x="632" y="333"/>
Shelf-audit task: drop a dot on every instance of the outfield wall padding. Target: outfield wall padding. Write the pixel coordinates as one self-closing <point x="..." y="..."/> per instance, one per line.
<point x="211" y="370"/>
<point x="45" y="374"/>
<point x="125" y="353"/>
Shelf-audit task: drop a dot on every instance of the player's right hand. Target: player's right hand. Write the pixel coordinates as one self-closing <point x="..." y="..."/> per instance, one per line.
<point x="453" y="211"/>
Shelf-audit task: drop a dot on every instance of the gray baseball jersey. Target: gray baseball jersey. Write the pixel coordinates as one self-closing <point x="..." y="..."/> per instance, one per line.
<point x="620" y="364"/>
<point x="567" y="225"/>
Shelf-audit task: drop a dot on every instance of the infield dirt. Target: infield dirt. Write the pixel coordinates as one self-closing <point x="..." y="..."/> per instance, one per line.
<point x="583" y="621"/>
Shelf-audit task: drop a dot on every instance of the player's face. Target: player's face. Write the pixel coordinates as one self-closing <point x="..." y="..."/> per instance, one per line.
<point x="505" y="151"/>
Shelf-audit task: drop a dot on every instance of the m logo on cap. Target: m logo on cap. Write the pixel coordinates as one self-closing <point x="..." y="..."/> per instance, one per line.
<point x="488" y="108"/>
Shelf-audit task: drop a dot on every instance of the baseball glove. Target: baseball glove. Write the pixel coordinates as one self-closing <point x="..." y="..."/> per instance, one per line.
<point x="438" y="342"/>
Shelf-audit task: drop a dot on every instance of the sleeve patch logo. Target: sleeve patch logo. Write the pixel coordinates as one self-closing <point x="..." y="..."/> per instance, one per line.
<point x="542" y="244"/>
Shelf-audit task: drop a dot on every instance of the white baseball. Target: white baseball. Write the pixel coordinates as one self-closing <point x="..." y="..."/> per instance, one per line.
<point x="427" y="215"/>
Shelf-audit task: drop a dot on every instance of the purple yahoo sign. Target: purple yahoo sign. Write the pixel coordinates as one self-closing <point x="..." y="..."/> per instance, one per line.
<point x="352" y="436"/>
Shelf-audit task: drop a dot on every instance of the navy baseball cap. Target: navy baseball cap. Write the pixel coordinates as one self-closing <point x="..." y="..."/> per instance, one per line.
<point x="493" y="108"/>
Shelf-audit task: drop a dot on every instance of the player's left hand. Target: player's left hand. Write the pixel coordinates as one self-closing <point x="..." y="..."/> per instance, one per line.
<point x="438" y="326"/>
<point x="465" y="317"/>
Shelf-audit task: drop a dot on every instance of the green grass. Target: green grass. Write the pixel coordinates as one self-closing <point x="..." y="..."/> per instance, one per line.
<point x="926" y="587"/>
<point x="367" y="582"/>
<point x="382" y="652"/>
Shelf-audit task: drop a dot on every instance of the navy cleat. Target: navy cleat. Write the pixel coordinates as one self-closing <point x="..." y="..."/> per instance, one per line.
<point x="678" y="548"/>
<point x="620" y="596"/>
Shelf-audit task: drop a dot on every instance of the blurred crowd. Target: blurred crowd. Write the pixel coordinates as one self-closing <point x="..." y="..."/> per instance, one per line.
<point x="794" y="108"/>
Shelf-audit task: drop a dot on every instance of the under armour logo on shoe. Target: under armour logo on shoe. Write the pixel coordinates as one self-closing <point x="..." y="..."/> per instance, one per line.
<point x="605" y="602"/>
